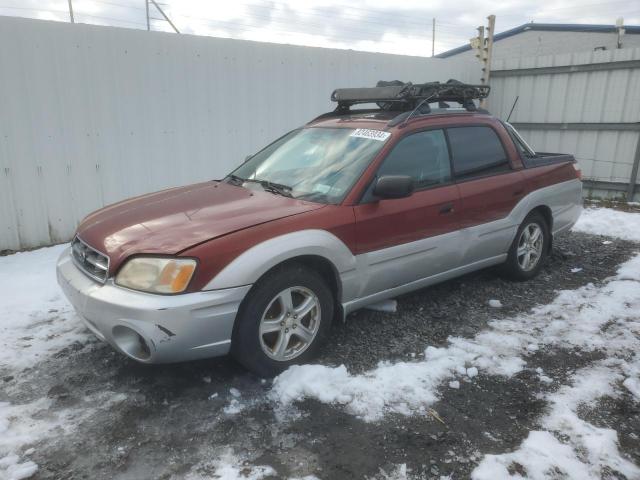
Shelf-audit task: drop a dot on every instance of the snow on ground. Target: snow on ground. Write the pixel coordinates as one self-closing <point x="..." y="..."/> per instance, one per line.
<point x="22" y="426"/>
<point x="36" y="321"/>
<point x="229" y="467"/>
<point x="35" y="318"/>
<point x="607" y="221"/>
<point x="589" y="450"/>
<point x="604" y="318"/>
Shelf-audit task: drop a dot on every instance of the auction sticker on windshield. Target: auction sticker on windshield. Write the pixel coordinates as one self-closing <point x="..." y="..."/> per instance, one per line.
<point x="370" y="134"/>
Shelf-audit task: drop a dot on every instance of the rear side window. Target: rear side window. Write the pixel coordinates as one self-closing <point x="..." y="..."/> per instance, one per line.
<point x="423" y="156"/>
<point x="476" y="151"/>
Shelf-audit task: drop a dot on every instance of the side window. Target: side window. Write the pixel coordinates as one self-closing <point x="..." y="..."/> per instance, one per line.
<point x="523" y="149"/>
<point x="423" y="156"/>
<point x="476" y="151"/>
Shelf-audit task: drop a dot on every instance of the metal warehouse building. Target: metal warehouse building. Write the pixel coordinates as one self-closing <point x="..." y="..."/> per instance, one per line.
<point x="573" y="89"/>
<point x="533" y="39"/>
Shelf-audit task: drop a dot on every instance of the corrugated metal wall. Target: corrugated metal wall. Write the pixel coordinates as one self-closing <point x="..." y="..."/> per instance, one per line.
<point x="91" y="115"/>
<point x="596" y="103"/>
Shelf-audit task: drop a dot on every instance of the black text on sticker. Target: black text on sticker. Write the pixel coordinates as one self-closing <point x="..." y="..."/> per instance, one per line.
<point x="370" y="134"/>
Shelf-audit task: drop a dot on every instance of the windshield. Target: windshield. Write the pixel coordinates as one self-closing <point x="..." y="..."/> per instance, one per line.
<point x="317" y="164"/>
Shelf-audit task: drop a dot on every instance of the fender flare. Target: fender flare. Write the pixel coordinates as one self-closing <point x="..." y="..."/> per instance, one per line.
<point x="247" y="268"/>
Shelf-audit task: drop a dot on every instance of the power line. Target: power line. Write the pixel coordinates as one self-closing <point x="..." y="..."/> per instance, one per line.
<point x="290" y="30"/>
<point x="366" y="32"/>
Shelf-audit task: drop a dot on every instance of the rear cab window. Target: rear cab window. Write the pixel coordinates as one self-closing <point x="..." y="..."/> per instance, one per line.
<point x="523" y="147"/>
<point x="477" y="151"/>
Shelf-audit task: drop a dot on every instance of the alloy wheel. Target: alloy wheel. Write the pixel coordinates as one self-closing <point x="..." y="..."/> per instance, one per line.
<point x="530" y="246"/>
<point x="290" y="323"/>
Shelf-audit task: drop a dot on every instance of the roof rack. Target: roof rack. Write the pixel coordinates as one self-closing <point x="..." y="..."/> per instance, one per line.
<point x="397" y="95"/>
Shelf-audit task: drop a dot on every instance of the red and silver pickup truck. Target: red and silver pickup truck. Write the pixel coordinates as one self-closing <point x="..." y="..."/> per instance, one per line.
<point x="357" y="206"/>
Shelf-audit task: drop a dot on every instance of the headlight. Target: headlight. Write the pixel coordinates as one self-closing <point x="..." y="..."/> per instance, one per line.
<point x="157" y="275"/>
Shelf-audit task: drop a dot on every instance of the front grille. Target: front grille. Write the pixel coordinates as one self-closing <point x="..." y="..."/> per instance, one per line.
<point x="90" y="261"/>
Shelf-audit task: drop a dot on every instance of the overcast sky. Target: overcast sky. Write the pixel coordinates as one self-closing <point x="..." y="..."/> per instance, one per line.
<point x="403" y="27"/>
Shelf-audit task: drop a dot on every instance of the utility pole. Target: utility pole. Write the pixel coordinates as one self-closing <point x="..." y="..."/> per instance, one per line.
<point x="483" y="45"/>
<point x="164" y="15"/>
<point x="146" y="6"/>
<point x="71" y="12"/>
<point x="433" y="38"/>
<point x="621" y="30"/>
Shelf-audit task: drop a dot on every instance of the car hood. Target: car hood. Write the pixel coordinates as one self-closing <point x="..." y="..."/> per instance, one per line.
<point x="173" y="220"/>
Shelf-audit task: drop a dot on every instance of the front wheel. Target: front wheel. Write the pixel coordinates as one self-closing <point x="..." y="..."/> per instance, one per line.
<point x="283" y="321"/>
<point x="529" y="249"/>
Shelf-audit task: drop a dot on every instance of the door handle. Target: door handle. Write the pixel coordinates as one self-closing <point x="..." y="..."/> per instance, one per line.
<point x="447" y="208"/>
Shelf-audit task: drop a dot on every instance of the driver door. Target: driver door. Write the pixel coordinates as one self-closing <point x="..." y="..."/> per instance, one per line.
<point x="406" y="239"/>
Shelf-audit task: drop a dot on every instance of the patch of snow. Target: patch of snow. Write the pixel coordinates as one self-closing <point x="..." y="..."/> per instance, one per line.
<point x="454" y="384"/>
<point x="545" y="379"/>
<point x="495" y="303"/>
<point x="607" y="242"/>
<point x="389" y="306"/>
<point x="576" y="270"/>
<point x="585" y="451"/>
<point x="609" y="222"/>
<point x="234" y="407"/>
<point x="633" y="385"/>
<point x="400" y="472"/>
<point x="472" y="372"/>
<point x="35" y="318"/>
<point x="229" y="467"/>
<point x="12" y="469"/>
<point x="235" y="392"/>
<point x="24" y="424"/>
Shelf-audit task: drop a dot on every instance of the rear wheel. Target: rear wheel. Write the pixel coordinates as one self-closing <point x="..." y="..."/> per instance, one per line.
<point x="529" y="248"/>
<point x="283" y="321"/>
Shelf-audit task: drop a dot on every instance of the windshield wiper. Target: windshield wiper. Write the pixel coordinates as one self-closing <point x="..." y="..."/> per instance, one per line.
<point x="277" y="188"/>
<point x="272" y="187"/>
<point x="236" y="179"/>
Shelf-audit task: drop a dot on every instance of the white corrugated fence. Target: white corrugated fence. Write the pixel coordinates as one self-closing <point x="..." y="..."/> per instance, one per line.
<point x="586" y="103"/>
<point x="91" y="115"/>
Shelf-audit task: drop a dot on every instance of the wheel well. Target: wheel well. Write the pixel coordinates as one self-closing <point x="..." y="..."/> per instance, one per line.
<point x="548" y="216"/>
<point x="324" y="267"/>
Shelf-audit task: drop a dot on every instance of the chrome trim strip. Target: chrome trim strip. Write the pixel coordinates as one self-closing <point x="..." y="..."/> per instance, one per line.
<point x="214" y="344"/>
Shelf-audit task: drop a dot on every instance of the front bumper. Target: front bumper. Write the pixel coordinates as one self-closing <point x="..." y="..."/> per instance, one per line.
<point x="153" y="328"/>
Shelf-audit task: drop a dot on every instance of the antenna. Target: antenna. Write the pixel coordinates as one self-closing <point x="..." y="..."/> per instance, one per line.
<point x="415" y="110"/>
<point x="512" y="107"/>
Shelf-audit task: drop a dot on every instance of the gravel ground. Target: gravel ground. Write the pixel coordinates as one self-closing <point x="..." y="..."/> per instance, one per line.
<point x="174" y="420"/>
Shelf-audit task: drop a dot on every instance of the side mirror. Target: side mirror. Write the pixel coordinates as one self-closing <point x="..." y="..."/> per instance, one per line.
<point x="393" y="186"/>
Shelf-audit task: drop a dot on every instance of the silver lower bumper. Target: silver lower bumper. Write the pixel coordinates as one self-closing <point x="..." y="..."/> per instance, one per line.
<point x="153" y="328"/>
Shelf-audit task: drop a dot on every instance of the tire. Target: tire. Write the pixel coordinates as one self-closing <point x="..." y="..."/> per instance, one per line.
<point x="262" y="326"/>
<point x="516" y="267"/>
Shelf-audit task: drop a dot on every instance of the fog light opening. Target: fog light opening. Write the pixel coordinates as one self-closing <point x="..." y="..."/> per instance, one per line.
<point x="131" y="343"/>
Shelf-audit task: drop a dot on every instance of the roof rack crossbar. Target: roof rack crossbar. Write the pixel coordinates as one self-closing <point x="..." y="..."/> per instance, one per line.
<point x="406" y="96"/>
